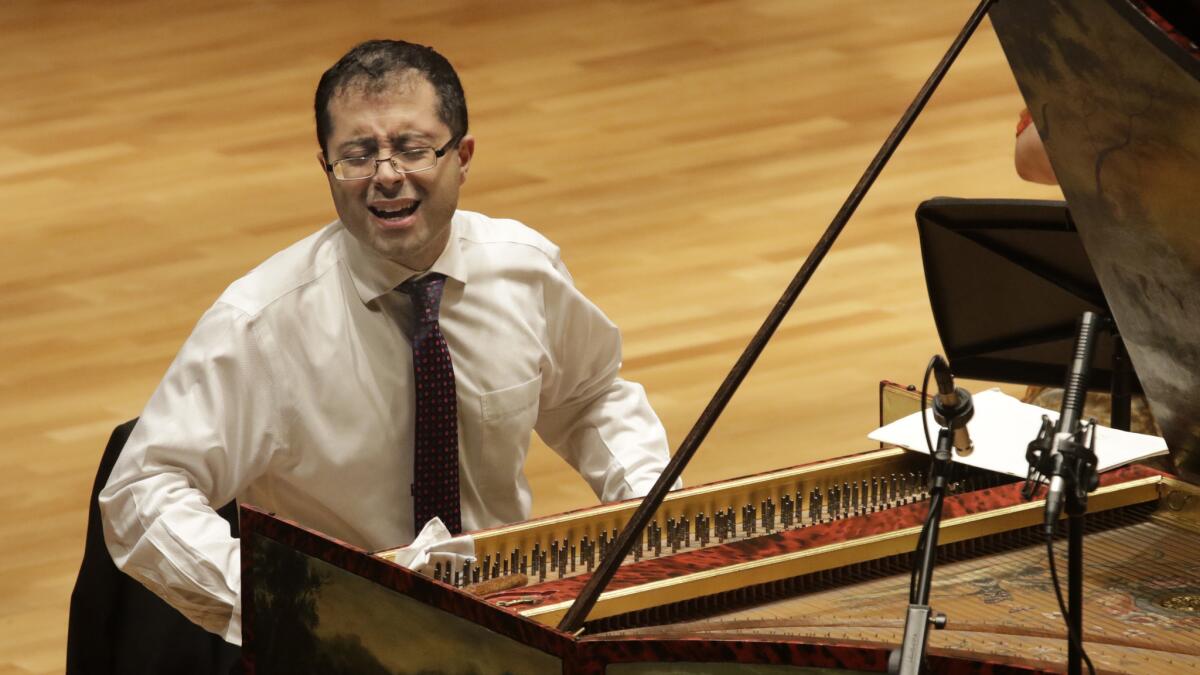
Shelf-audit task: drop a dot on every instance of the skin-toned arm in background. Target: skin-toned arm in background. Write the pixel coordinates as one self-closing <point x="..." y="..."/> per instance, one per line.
<point x="1030" y="155"/>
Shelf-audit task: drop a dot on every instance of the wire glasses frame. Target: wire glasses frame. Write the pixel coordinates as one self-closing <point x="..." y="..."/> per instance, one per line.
<point x="408" y="161"/>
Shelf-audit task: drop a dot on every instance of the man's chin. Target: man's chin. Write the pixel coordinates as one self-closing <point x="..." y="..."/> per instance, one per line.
<point x="393" y="250"/>
<point x="404" y="248"/>
<point x="414" y="246"/>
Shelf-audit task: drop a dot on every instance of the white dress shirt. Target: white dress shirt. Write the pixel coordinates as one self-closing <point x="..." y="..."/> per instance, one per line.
<point x="294" y="393"/>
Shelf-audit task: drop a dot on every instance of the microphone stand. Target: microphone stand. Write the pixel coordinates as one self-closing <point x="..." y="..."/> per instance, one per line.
<point x="1067" y="454"/>
<point x="920" y="616"/>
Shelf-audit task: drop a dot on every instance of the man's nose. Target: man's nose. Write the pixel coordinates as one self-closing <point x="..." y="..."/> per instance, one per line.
<point x="386" y="175"/>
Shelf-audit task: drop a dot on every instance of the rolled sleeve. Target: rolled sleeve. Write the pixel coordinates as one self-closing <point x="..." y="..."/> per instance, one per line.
<point x="208" y="430"/>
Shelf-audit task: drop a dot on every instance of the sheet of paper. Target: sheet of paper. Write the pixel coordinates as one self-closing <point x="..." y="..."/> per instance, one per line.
<point x="1002" y="429"/>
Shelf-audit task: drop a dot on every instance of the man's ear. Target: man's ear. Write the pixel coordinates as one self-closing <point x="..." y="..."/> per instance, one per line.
<point x="466" y="150"/>
<point x="321" y="161"/>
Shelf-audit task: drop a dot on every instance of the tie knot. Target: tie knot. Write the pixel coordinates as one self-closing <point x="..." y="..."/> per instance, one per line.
<point x="426" y="294"/>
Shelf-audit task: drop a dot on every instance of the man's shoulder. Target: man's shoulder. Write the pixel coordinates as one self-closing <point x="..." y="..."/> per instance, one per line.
<point x="477" y="230"/>
<point x="280" y="276"/>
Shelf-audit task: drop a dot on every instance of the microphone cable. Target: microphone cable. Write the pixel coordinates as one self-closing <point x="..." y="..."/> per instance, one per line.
<point x="934" y="500"/>
<point x="913" y="581"/>
<point x="1072" y="637"/>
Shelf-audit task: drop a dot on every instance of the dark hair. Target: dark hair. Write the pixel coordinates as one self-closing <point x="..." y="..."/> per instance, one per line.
<point x="375" y="65"/>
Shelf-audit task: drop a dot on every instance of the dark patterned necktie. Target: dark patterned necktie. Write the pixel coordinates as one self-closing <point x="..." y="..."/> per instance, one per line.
<point x="435" y="461"/>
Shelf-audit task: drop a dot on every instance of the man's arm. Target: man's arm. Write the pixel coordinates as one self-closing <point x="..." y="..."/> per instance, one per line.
<point x="208" y="429"/>
<point x="602" y="425"/>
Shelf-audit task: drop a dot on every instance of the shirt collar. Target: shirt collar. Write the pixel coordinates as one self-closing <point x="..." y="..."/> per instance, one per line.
<point x="375" y="276"/>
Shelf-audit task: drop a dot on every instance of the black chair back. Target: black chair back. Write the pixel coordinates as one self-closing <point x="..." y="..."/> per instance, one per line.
<point x="117" y="626"/>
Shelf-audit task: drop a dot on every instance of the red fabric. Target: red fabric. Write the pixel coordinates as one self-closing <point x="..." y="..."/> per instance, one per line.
<point x="1025" y="120"/>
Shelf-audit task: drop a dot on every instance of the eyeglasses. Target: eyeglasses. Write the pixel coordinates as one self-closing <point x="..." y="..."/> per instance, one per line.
<point x="405" y="161"/>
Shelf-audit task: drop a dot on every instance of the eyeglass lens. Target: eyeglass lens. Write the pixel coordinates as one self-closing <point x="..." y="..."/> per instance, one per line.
<point x="408" y="161"/>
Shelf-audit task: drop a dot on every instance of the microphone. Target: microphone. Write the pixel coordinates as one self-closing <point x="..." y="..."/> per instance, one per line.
<point x="1068" y="420"/>
<point x="952" y="407"/>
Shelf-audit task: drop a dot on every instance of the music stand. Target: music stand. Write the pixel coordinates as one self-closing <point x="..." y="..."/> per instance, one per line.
<point x="1008" y="280"/>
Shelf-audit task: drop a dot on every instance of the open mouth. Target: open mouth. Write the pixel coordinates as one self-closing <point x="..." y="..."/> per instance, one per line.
<point x="394" y="213"/>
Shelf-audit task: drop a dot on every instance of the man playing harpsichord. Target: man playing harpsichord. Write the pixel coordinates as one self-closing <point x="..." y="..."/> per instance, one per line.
<point x="385" y="370"/>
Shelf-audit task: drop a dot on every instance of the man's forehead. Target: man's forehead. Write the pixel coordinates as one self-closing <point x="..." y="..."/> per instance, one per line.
<point x="354" y="109"/>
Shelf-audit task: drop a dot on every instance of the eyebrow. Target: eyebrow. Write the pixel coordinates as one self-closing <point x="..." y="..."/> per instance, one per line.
<point x="402" y="140"/>
<point x="370" y="146"/>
